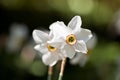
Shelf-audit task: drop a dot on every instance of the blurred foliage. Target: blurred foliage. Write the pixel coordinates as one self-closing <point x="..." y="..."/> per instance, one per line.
<point x="12" y="4"/>
<point x="102" y="13"/>
<point x="103" y="54"/>
<point x="81" y="6"/>
<point x="38" y="68"/>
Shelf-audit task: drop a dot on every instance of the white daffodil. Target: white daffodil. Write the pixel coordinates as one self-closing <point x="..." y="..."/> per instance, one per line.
<point x="80" y="58"/>
<point x="72" y="37"/>
<point x="50" y="54"/>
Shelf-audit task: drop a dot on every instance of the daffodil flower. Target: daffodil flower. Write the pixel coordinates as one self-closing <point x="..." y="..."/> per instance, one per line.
<point x="72" y="37"/>
<point x="50" y="54"/>
<point x="80" y="58"/>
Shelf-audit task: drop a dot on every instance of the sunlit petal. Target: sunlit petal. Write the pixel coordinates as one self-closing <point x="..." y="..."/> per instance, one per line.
<point x="40" y="36"/>
<point x="69" y="51"/>
<point x="84" y="35"/>
<point x="59" y="29"/>
<point x="55" y="40"/>
<point x="75" y="24"/>
<point x="92" y="42"/>
<point x="80" y="46"/>
<point x="41" y="49"/>
<point x="50" y="59"/>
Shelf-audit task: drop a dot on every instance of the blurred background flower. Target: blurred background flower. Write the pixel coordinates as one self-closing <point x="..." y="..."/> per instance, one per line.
<point x="18" y="18"/>
<point x="17" y="36"/>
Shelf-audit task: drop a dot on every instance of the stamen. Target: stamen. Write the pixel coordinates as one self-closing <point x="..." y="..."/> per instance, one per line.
<point x="51" y="48"/>
<point x="71" y="39"/>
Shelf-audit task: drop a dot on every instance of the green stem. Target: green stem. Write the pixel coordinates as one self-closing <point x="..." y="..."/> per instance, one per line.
<point x="60" y="77"/>
<point x="49" y="77"/>
<point x="50" y="72"/>
<point x="62" y="69"/>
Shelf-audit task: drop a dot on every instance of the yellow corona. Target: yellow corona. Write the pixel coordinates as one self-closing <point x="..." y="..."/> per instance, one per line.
<point x="71" y="39"/>
<point x="51" y="48"/>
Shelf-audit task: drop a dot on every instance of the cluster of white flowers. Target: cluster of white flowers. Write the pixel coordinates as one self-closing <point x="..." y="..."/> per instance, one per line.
<point x="62" y="41"/>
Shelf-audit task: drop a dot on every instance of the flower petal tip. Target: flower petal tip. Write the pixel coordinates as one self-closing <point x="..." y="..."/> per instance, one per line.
<point x="36" y="47"/>
<point x="90" y="36"/>
<point x="77" y="16"/>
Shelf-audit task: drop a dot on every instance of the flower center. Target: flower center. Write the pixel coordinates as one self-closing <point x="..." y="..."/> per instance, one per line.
<point x="51" y="48"/>
<point x="71" y="39"/>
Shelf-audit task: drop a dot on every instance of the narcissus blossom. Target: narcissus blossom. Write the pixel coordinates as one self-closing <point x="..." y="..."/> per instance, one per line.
<point x="50" y="54"/>
<point x="72" y="36"/>
<point x="80" y="58"/>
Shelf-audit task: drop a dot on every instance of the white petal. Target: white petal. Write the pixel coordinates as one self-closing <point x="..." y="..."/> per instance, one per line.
<point x="61" y="56"/>
<point x="50" y="59"/>
<point x="58" y="33"/>
<point x="37" y="47"/>
<point x="68" y="51"/>
<point x="41" y="48"/>
<point x="55" y="40"/>
<point x="55" y="44"/>
<point x="58" y="43"/>
<point x="40" y="36"/>
<point x="51" y="34"/>
<point x="84" y="35"/>
<point x="76" y="59"/>
<point x="75" y="24"/>
<point x="80" y="46"/>
<point x="92" y="42"/>
<point x="83" y="60"/>
<point x="60" y="30"/>
<point x="59" y="23"/>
